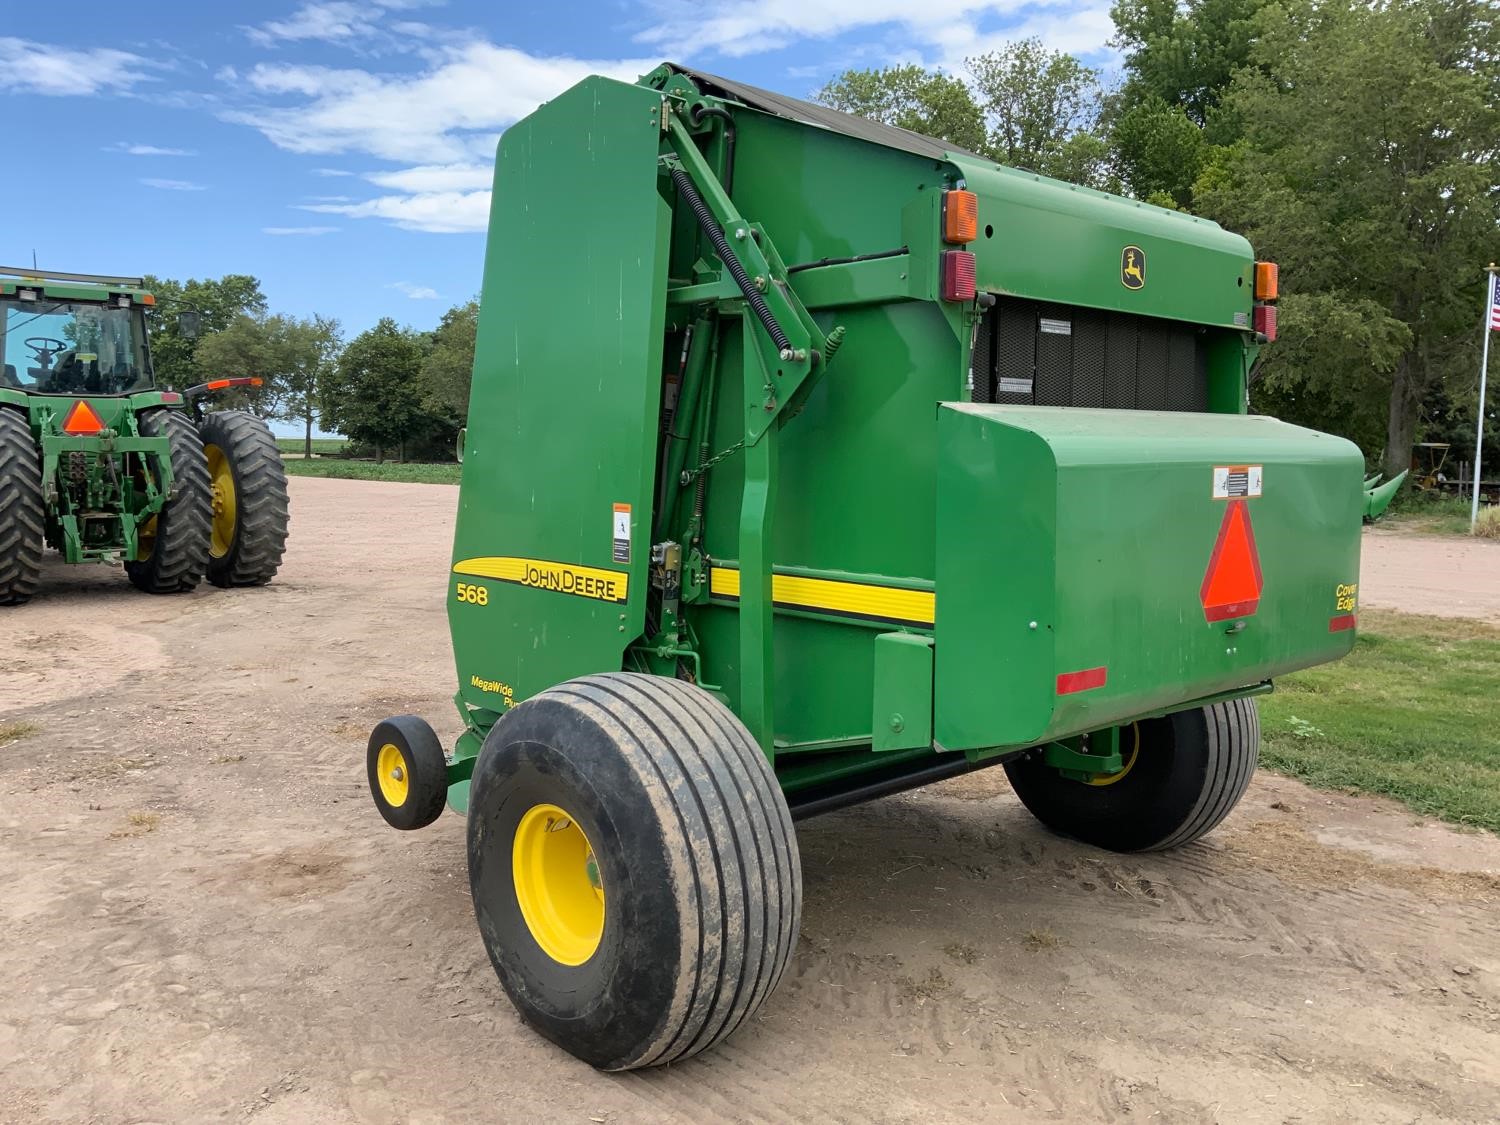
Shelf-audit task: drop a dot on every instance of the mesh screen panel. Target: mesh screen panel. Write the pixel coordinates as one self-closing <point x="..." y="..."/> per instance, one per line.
<point x="1043" y="354"/>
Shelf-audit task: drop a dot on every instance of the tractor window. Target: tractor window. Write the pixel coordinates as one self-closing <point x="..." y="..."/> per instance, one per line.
<point x="72" y="347"/>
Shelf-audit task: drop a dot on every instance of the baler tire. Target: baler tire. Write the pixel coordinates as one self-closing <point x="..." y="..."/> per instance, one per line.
<point x="22" y="514"/>
<point x="179" y="548"/>
<point x="245" y="463"/>
<point x="1190" y="770"/>
<point x="415" y="798"/>
<point x="682" y="833"/>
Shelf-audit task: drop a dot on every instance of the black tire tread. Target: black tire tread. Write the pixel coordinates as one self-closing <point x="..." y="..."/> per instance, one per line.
<point x="262" y="504"/>
<point x="22" y="514"/>
<point x="1233" y="752"/>
<point x="750" y="881"/>
<point x="180" y="554"/>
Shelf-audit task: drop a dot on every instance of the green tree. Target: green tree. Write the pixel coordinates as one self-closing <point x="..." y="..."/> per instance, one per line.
<point x="924" y="101"/>
<point x="1368" y="169"/>
<point x="449" y="367"/>
<point x="292" y="356"/>
<point x="1027" y="107"/>
<point x="373" y="394"/>
<point x="1164" y="120"/>
<point x="1041" y="108"/>
<point x="217" y="302"/>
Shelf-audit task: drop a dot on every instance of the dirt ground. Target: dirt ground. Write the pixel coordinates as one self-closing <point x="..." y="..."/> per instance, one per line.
<point x="1444" y="575"/>
<point x="202" y="917"/>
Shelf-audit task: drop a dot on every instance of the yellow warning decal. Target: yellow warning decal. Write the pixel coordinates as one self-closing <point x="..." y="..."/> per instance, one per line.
<point x="845" y="599"/>
<point x="563" y="578"/>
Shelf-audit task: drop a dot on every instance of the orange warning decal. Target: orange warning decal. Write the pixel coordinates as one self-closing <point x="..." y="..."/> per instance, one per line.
<point x="1232" y="583"/>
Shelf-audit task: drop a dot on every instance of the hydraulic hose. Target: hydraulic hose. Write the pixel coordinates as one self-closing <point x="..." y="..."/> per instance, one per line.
<point x="697" y="114"/>
<point x="689" y="192"/>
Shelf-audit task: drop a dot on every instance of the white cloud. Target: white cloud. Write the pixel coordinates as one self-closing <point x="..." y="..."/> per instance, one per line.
<point x="27" y="67"/>
<point x="435" y="178"/>
<point x="147" y="150"/>
<point x="415" y="292"/>
<point x="934" y="28"/>
<point x="172" y="185"/>
<point x="331" y="172"/>
<point x="439" y="212"/>
<point x="438" y="116"/>
<point x="330" y="22"/>
<point x="297" y="230"/>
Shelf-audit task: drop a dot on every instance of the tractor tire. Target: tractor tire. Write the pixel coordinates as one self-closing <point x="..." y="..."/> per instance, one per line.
<point x="21" y="510"/>
<point x="250" y="499"/>
<point x="633" y="868"/>
<point x="1183" y="774"/>
<point x="174" y="554"/>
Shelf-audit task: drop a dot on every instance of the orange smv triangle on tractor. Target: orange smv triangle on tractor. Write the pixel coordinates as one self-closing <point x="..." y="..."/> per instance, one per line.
<point x="81" y="420"/>
<point x="1232" y="584"/>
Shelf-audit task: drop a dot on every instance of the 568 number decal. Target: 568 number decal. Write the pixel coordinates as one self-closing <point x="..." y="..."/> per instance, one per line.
<point x="472" y="593"/>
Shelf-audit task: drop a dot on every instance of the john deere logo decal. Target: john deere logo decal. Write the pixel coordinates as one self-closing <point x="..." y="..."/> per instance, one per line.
<point x="1133" y="267"/>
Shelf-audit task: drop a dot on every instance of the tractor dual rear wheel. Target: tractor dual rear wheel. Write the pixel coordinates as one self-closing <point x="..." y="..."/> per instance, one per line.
<point x="1182" y="775"/>
<point x="172" y="546"/>
<point x="21" y="511"/>
<point x="633" y="868"/>
<point x="250" y="505"/>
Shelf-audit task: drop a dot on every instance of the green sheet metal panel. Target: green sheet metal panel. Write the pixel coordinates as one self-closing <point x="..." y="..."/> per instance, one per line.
<point x="1053" y="241"/>
<point x="902" y="718"/>
<point x="550" y="577"/>
<point x="1073" y="547"/>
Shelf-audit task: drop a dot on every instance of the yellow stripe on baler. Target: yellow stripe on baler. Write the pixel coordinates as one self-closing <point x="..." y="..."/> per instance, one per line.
<point x="825" y="595"/>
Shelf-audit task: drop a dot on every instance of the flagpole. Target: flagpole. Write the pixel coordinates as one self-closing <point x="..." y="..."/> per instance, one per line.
<point x="1484" y="363"/>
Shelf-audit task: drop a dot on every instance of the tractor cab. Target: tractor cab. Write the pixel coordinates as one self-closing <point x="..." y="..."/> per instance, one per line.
<point x="74" y="338"/>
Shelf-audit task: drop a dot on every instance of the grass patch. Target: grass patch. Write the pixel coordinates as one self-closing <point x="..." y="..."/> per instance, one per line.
<point x="1428" y="513"/>
<point x="14" y="732"/>
<point x="1409" y="714"/>
<point x="370" y="470"/>
<point x="326" y="447"/>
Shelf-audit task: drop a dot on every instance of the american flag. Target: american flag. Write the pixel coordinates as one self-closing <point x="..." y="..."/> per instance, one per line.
<point x="1494" y="303"/>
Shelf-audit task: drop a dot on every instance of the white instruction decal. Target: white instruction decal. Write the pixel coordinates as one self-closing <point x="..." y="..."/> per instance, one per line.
<point x="621" y="552"/>
<point x="1236" y="481"/>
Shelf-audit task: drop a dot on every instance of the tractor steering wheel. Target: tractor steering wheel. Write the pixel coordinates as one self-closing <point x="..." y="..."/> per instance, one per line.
<point x="44" y="353"/>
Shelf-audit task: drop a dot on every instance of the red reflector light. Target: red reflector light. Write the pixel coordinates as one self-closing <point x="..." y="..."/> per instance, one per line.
<point x="82" y="420"/>
<point x="1341" y="622"/>
<point x="1265" y="321"/>
<point x="958" y="276"/>
<point x="170" y="397"/>
<point x="1088" y="679"/>
<point x="960" y="216"/>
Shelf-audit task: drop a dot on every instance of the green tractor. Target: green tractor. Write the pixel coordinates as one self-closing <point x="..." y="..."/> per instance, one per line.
<point x="101" y="465"/>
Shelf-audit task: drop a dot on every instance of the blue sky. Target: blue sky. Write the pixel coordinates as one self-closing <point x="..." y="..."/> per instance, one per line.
<point x="341" y="151"/>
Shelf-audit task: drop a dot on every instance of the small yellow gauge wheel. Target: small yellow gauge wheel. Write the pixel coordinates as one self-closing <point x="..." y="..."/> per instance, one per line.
<point x="408" y="772"/>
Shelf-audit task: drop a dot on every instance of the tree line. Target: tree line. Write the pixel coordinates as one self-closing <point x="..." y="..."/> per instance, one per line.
<point x="389" y="390"/>
<point x="1356" y="144"/>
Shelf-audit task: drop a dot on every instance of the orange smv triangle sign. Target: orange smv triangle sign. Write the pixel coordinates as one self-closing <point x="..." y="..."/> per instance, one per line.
<point x="1232" y="584"/>
<point x="81" y="420"/>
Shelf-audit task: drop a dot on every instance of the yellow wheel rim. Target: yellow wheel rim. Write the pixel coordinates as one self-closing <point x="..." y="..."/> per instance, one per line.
<point x="225" y="504"/>
<point x="145" y="540"/>
<point x="394" y="775"/>
<point x="557" y="884"/>
<point x="1130" y="756"/>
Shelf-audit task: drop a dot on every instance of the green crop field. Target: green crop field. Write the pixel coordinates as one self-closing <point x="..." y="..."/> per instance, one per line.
<point x="1409" y="714"/>
<point x="324" y="446"/>
<point x="370" y="470"/>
